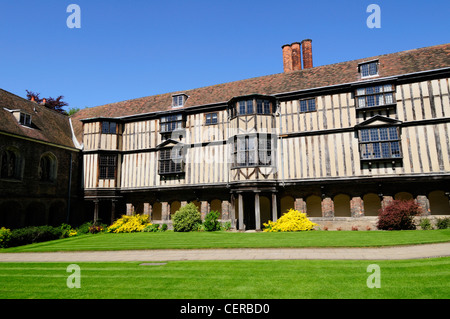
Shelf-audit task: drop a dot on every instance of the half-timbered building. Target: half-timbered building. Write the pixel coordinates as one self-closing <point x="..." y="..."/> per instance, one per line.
<point x="337" y="141"/>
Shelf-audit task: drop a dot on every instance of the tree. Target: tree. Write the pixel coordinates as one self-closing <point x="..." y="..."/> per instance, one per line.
<point x="52" y="103"/>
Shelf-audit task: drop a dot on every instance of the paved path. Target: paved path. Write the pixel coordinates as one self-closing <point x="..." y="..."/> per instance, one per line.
<point x="382" y="253"/>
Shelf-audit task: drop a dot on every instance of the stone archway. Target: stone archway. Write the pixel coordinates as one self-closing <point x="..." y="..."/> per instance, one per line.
<point x="314" y="206"/>
<point x="372" y="204"/>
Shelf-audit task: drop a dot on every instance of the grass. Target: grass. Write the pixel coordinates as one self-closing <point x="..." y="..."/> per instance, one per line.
<point x="174" y="240"/>
<point x="253" y="279"/>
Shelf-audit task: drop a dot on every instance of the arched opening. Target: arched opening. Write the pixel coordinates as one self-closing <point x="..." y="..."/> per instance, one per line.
<point x="403" y="196"/>
<point x="439" y="203"/>
<point x="342" y="205"/>
<point x="10" y="164"/>
<point x="287" y="202"/>
<point x="314" y="206"/>
<point x="174" y="207"/>
<point x="57" y="213"/>
<point x="156" y="212"/>
<point x="35" y="214"/>
<point x="10" y="214"/>
<point x="198" y="204"/>
<point x="372" y="204"/>
<point x="216" y="205"/>
<point x="265" y="209"/>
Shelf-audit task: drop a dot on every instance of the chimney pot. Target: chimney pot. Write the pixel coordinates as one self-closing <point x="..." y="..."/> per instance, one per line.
<point x="44" y="100"/>
<point x="32" y="98"/>
<point x="296" y="56"/>
<point x="287" y="57"/>
<point x="307" y="54"/>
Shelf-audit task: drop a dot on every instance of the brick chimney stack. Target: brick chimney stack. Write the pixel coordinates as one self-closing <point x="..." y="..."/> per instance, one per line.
<point x="296" y="56"/>
<point x="287" y="57"/>
<point x="307" y="54"/>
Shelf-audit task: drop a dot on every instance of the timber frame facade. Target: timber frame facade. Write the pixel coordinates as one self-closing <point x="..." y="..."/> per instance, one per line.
<point x="333" y="141"/>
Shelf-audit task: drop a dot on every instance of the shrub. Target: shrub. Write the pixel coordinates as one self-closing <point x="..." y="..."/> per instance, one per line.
<point x="186" y="218"/>
<point x="425" y="224"/>
<point x="152" y="228"/>
<point x="5" y="237"/>
<point x="398" y="215"/>
<point x="129" y="224"/>
<point x="211" y="222"/>
<point x="226" y="226"/>
<point x="67" y="231"/>
<point x="94" y="229"/>
<point x="34" y="234"/>
<point x="291" y="221"/>
<point x="443" y="223"/>
<point x="354" y="228"/>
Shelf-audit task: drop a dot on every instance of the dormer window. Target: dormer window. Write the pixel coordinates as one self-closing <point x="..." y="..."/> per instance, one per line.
<point x="25" y="119"/>
<point x="179" y="100"/>
<point x="368" y="69"/>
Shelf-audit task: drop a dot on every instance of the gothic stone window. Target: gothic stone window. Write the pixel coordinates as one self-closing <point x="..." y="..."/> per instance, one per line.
<point x="10" y="164"/>
<point x="47" y="168"/>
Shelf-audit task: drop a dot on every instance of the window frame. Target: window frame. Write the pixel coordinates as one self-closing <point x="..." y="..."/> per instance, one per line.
<point x="211" y="118"/>
<point x="10" y="165"/>
<point x="257" y="105"/>
<point x="178" y="100"/>
<point x="307" y="101"/>
<point x="106" y="127"/>
<point x="250" y="152"/>
<point x="105" y="167"/>
<point x="374" y="94"/>
<point x="25" y="119"/>
<point x="368" y="64"/>
<point x="370" y="140"/>
<point x="170" y="167"/>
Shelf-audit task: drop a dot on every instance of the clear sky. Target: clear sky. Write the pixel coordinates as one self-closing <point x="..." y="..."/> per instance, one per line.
<point x="127" y="49"/>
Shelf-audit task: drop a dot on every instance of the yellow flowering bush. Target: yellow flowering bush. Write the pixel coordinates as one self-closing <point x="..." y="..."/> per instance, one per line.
<point x="293" y="220"/>
<point x="130" y="224"/>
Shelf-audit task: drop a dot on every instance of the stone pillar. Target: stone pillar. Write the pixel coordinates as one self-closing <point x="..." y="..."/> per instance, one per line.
<point x="241" y="212"/>
<point x="113" y="210"/>
<point x="300" y="205"/>
<point x="165" y="211"/>
<point x="95" y="211"/>
<point x="233" y="211"/>
<point x="225" y="210"/>
<point x="424" y="203"/>
<point x="130" y="209"/>
<point x="274" y="207"/>
<point x="327" y="207"/>
<point x="357" y="207"/>
<point x="386" y="201"/>
<point x="183" y="203"/>
<point x="204" y="209"/>
<point x="148" y="210"/>
<point x="257" y="213"/>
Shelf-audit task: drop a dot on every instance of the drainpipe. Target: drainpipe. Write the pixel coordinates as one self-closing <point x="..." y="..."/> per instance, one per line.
<point x="69" y="190"/>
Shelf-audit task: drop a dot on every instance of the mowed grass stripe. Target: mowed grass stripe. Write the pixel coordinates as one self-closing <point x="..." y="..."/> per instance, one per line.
<point x="428" y="278"/>
<point x="173" y="240"/>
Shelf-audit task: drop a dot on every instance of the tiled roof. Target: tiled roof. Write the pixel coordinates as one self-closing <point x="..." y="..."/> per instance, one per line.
<point x="404" y="62"/>
<point x="47" y="125"/>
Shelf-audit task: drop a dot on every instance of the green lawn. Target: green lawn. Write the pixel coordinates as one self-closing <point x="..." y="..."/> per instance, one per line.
<point x="254" y="279"/>
<point x="174" y="240"/>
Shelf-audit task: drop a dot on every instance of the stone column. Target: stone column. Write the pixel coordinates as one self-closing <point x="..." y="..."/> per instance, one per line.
<point x="357" y="207"/>
<point x="274" y="207"/>
<point x="225" y="210"/>
<point x="241" y="212"/>
<point x="424" y="203"/>
<point x="327" y="207"/>
<point x="165" y="211"/>
<point x="148" y="210"/>
<point x="300" y="205"/>
<point x="183" y="203"/>
<point x="233" y="211"/>
<point x="204" y="209"/>
<point x="95" y="211"/>
<point x="113" y="210"/>
<point x="386" y="201"/>
<point x="130" y="209"/>
<point x="257" y="213"/>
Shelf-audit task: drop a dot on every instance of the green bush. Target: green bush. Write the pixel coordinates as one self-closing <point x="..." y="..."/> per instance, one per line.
<point x="34" y="234"/>
<point x="5" y="237"/>
<point x="425" y="224"/>
<point x="443" y="223"/>
<point x="186" y="218"/>
<point x="211" y="222"/>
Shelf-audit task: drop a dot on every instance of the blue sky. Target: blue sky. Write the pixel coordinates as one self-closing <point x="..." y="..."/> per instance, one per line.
<point x="134" y="48"/>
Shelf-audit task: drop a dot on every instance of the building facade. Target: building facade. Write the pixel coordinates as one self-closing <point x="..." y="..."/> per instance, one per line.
<point x="337" y="141"/>
<point x="40" y="176"/>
